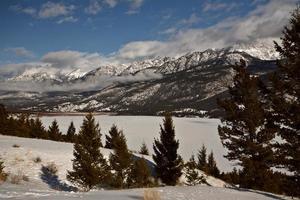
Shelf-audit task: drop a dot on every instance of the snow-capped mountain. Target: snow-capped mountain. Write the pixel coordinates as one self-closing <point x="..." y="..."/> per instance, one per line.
<point x="188" y="84"/>
<point x="262" y="49"/>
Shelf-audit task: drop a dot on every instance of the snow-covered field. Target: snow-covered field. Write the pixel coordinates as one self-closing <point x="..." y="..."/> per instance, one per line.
<point x="191" y="132"/>
<point x="20" y="160"/>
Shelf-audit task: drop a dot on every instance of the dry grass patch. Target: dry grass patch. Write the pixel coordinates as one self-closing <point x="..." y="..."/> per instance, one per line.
<point x="151" y="195"/>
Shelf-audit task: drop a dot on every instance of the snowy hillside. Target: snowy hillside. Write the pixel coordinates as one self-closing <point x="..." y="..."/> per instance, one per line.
<point x="20" y="160"/>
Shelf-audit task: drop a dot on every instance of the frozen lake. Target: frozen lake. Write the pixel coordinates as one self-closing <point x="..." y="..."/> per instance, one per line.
<point x="191" y="132"/>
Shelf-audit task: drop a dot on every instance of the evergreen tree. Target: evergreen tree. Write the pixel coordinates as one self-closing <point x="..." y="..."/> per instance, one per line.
<point x="212" y="166"/>
<point x="114" y="133"/>
<point x="37" y="129"/>
<point x="71" y="137"/>
<point x="23" y="128"/>
<point x="54" y="132"/>
<point x="191" y="173"/>
<point x="245" y="131"/>
<point x="139" y="175"/>
<point x="144" y="150"/>
<point x="89" y="166"/>
<point x="168" y="162"/>
<point x="120" y="162"/>
<point x="202" y="162"/>
<point x="285" y="97"/>
<point x="3" y="119"/>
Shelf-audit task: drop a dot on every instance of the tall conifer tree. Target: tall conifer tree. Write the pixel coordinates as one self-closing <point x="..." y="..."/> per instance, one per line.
<point x="120" y="162"/>
<point x="285" y="97"/>
<point x="89" y="166"/>
<point x="245" y="132"/>
<point x="202" y="159"/>
<point x="114" y="133"/>
<point x="54" y="132"/>
<point x="168" y="163"/>
<point x="144" y="150"/>
<point x="71" y="137"/>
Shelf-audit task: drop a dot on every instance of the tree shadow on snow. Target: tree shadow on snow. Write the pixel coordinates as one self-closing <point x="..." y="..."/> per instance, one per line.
<point x="136" y="197"/>
<point x="270" y="195"/>
<point x="53" y="181"/>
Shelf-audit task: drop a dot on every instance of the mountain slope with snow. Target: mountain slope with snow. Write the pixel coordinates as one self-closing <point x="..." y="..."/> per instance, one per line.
<point x="191" y="82"/>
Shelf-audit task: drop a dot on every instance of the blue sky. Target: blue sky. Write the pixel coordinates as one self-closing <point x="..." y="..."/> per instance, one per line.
<point x="103" y="31"/>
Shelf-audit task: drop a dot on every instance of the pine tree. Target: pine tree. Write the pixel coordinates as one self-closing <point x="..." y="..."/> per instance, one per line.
<point x="212" y="166"/>
<point x="245" y="131"/>
<point x="114" y="133"/>
<point x="285" y="97"/>
<point x="23" y="128"/>
<point x="191" y="173"/>
<point x="120" y="162"/>
<point x="89" y="166"/>
<point x="3" y="119"/>
<point x="144" y="150"/>
<point x="202" y="162"/>
<point x="37" y="129"/>
<point x="71" y="137"/>
<point x="139" y="175"/>
<point x="168" y="162"/>
<point x="54" y="132"/>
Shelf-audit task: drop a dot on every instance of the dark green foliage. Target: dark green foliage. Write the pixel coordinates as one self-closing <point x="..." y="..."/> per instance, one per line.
<point x="71" y="137"/>
<point x="144" y="150"/>
<point x="114" y="133"/>
<point x="202" y="162"/>
<point x="285" y="97"/>
<point x="3" y="119"/>
<point x="139" y="175"/>
<point x="120" y="162"/>
<point x="191" y="172"/>
<point x="212" y="166"/>
<point x="54" y="132"/>
<point x="37" y="129"/>
<point x="232" y="177"/>
<point x="245" y="131"/>
<point x="89" y="166"/>
<point x="168" y="163"/>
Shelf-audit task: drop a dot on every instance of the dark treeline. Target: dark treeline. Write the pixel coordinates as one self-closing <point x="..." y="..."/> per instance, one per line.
<point x="23" y="125"/>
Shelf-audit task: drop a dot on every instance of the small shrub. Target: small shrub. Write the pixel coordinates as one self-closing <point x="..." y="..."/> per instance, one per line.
<point x="37" y="159"/>
<point x="18" y="178"/>
<point x="15" y="146"/>
<point x="151" y="195"/>
<point x="51" y="168"/>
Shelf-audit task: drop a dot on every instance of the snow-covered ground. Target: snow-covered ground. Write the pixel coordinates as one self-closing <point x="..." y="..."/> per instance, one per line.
<point x="191" y="132"/>
<point x="20" y="160"/>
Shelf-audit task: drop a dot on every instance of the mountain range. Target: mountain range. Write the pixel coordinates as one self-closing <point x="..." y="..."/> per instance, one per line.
<point x="187" y="85"/>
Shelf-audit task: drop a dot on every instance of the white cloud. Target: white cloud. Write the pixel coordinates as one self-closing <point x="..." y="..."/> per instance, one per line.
<point x="215" y="6"/>
<point x="266" y="21"/>
<point x="111" y="3"/>
<point x="26" y="10"/>
<point x="134" y="6"/>
<point x="193" y="19"/>
<point x="70" y="19"/>
<point x="93" y="8"/>
<point x="20" y="51"/>
<point x="136" y="3"/>
<point x="50" y="10"/>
